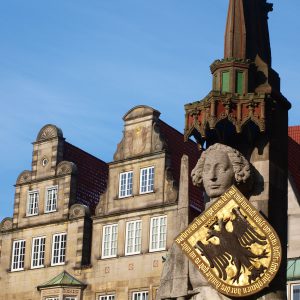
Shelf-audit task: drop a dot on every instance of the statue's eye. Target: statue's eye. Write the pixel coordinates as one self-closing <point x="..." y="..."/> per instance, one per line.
<point x="206" y="168"/>
<point x="221" y="169"/>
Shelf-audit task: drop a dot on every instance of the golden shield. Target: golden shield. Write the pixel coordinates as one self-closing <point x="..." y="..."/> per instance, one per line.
<point x="234" y="247"/>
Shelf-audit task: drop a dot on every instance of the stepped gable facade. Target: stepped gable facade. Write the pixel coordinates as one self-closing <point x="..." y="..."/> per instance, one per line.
<point x="51" y="227"/>
<point x="63" y="243"/>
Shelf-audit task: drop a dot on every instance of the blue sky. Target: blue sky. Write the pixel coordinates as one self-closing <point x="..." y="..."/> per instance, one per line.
<point x="83" y="64"/>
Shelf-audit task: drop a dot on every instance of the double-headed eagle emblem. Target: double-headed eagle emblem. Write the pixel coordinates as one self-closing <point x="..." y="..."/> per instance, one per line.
<point x="234" y="247"/>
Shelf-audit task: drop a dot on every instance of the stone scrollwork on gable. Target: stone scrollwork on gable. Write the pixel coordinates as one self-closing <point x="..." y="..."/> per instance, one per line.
<point x="158" y="142"/>
<point x="66" y="168"/>
<point x="100" y="209"/>
<point x="24" y="177"/>
<point x="49" y="132"/>
<point x="6" y="224"/>
<point x="78" y="211"/>
<point x="171" y="188"/>
<point x="119" y="154"/>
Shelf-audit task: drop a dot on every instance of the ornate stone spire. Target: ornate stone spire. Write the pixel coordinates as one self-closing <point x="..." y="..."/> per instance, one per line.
<point x="244" y="84"/>
<point x="247" y="32"/>
<point x="235" y="34"/>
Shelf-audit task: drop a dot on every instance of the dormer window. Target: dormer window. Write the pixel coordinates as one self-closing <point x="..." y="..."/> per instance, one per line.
<point x="125" y="184"/>
<point x="51" y="200"/>
<point x="147" y="180"/>
<point x="32" y="203"/>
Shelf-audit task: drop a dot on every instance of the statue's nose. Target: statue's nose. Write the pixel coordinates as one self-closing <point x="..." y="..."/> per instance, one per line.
<point x="212" y="174"/>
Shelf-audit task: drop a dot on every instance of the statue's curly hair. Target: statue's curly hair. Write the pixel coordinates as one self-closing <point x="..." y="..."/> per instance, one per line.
<point x="241" y="166"/>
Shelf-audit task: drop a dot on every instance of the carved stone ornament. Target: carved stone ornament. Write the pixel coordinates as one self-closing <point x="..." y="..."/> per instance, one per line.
<point x="65" y="168"/>
<point x="158" y="142"/>
<point x="233" y="246"/>
<point x="49" y="132"/>
<point x="119" y="154"/>
<point x="133" y="143"/>
<point x="100" y="209"/>
<point x="171" y="190"/>
<point x="139" y="136"/>
<point x="24" y="177"/>
<point x="78" y="211"/>
<point x="216" y="107"/>
<point x="6" y="224"/>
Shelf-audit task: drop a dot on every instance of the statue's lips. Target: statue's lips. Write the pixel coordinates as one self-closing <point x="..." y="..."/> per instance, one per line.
<point x="215" y="186"/>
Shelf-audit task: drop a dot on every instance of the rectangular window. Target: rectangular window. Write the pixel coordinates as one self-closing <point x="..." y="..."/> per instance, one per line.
<point x="133" y="237"/>
<point x="158" y="233"/>
<point x="109" y="241"/>
<point x="225" y="81"/>
<point x="295" y="292"/>
<point x="239" y="82"/>
<point x="125" y="185"/>
<point x="18" y="255"/>
<point x="59" y="249"/>
<point x="51" y="200"/>
<point x="70" y="298"/>
<point x="32" y="203"/>
<point x="140" y="296"/>
<point x="107" y="297"/>
<point x="147" y="180"/>
<point x="38" y="252"/>
<point x="52" y="298"/>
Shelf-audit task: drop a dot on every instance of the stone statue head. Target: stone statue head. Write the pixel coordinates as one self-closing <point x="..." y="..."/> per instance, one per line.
<point x="218" y="168"/>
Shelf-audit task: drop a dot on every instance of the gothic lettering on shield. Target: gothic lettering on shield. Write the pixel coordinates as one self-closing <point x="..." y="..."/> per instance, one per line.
<point x="234" y="247"/>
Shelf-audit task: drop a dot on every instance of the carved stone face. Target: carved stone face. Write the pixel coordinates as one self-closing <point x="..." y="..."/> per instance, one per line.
<point x="218" y="174"/>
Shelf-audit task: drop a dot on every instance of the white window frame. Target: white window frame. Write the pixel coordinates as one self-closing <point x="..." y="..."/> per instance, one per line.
<point x="52" y="298"/>
<point x="144" y="295"/>
<point x="35" y="209"/>
<point x="108" y="239"/>
<point x="60" y="249"/>
<point x="128" y="191"/>
<point x="70" y="298"/>
<point x="38" y="255"/>
<point x="137" y="235"/>
<point x="147" y="182"/>
<point x="292" y="289"/>
<point x="107" y="297"/>
<point x="158" y="234"/>
<point x="18" y="255"/>
<point x="47" y="211"/>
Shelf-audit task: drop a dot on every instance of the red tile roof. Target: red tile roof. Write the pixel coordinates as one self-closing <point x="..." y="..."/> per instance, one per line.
<point x="294" y="154"/>
<point x="92" y="174"/>
<point x="294" y="133"/>
<point x="177" y="147"/>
